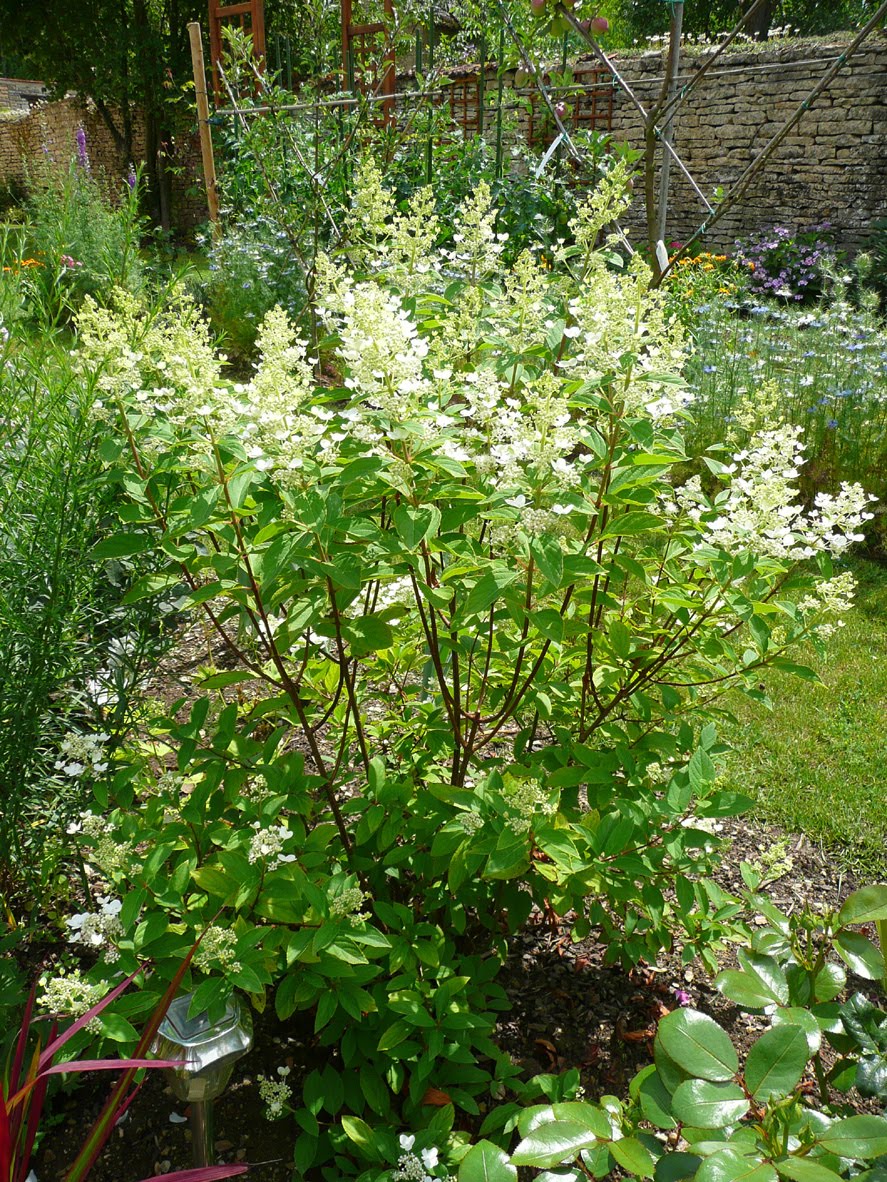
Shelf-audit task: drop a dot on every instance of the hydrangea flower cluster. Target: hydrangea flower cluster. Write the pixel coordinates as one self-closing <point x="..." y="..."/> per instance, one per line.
<point x="79" y="754"/>
<point x="347" y="905"/>
<point x="217" y="951"/>
<point x="103" y="842"/>
<point x="67" y="992"/>
<point x="761" y="511"/>
<point x="530" y="801"/>
<point x="100" y="929"/>
<point x="267" y="844"/>
<point x="415" y="1167"/>
<point x="275" y="1093"/>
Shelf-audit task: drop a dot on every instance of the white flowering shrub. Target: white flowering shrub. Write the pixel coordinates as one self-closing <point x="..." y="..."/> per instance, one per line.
<point x="477" y="637"/>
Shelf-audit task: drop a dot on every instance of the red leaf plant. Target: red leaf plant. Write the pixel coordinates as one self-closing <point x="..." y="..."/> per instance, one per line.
<point x="23" y="1090"/>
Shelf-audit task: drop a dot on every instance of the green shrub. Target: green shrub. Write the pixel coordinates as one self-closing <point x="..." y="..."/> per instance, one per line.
<point x="475" y="636"/>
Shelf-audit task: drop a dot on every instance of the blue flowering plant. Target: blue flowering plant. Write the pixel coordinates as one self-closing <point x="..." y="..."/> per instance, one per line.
<point x="788" y="265"/>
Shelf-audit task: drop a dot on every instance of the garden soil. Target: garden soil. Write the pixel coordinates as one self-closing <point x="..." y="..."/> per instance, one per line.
<point x="568" y="1010"/>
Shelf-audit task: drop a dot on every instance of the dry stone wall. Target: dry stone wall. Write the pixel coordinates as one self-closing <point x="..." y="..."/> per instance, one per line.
<point x="44" y="137"/>
<point x="832" y="167"/>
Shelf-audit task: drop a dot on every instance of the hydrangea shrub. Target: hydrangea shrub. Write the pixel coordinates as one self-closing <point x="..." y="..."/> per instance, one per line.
<point x="475" y="635"/>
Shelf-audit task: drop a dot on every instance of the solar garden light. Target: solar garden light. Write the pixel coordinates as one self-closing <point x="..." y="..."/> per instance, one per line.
<point x="208" y="1051"/>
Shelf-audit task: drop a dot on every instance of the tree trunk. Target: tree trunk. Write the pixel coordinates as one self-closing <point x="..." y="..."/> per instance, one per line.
<point x="759" y="26"/>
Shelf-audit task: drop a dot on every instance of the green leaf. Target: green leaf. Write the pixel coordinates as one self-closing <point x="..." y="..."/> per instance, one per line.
<point x="860" y="955"/>
<point x="633" y="522"/>
<point x="396" y="1033"/>
<point x="676" y="1167"/>
<point x="728" y="1165"/>
<point x="510" y="857"/>
<point x="709" y="1105"/>
<point x="122" y="546"/>
<point x="829" y="982"/>
<point x="116" y="1027"/>
<point x="362" y="1135"/>
<point x="552" y="1143"/>
<point x="798" y="1016"/>
<point x="802" y="1169"/>
<point x="698" y="1045"/>
<point x="701" y="770"/>
<point x="415" y="524"/>
<point x="768" y="972"/>
<point x="864" y="906"/>
<point x="776" y="1062"/>
<point x="655" y="1100"/>
<point x="744" y="989"/>
<point x="857" y="1137"/>
<point x="549" y="623"/>
<point x="633" y="1156"/>
<point x="150" y="585"/>
<point x="549" y="558"/>
<point x="583" y="1113"/>
<point x="487" y="590"/>
<point x="486" y="1162"/>
<point x="367" y="634"/>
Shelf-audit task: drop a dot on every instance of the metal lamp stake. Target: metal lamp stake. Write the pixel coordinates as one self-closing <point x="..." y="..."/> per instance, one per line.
<point x="209" y="1051"/>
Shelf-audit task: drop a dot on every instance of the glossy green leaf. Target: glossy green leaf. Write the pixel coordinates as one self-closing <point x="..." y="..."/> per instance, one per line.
<point x="776" y="1062"/>
<point x="768" y="971"/>
<point x="829" y="982"/>
<point x="803" y="1169"/>
<point x="583" y="1113"/>
<point x="796" y="1016"/>
<point x="551" y="1143"/>
<point x="698" y="1045"/>
<point x="728" y="1165"/>
<point x="633" y="1157"/>
<point x="676" y="1167"/>
<point x="655" y="1100"/>
<point x="744" y="989"/>
<point x="858" y="1137"/>
<point x="865" y="906"/>
<point x="708" y="1105"/>
<point x="860" y="955"/>
<point x="485" y="1162"/>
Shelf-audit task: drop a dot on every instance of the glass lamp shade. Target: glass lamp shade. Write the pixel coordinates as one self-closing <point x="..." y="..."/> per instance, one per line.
<point x="209" y="1049"/>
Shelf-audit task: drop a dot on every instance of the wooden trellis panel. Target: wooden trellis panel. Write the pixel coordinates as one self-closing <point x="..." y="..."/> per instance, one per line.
<point x="591" y="108"/>
<point x="250" y="15"/>
<point x="464" y="99"/>
<point x="361" y="62"/>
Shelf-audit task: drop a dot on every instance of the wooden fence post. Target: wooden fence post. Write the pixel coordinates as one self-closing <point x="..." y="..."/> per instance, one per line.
<point x="206" y="143"/>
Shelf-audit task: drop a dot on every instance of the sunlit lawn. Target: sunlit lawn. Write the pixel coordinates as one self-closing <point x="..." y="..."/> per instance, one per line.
<point x="818" y="762"/>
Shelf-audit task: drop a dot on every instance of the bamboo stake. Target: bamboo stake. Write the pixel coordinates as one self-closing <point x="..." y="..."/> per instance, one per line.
<point x="206" y="142"/>
<point x="674" y="58"/>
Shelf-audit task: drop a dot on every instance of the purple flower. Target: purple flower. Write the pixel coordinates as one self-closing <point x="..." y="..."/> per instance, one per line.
<point x="131" y="178"/>
<point x="82" y="155"/>
<point x="682" y="997"/>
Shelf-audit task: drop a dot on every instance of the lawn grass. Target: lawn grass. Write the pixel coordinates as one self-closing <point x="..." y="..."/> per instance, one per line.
<point x="816" y="763"/>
